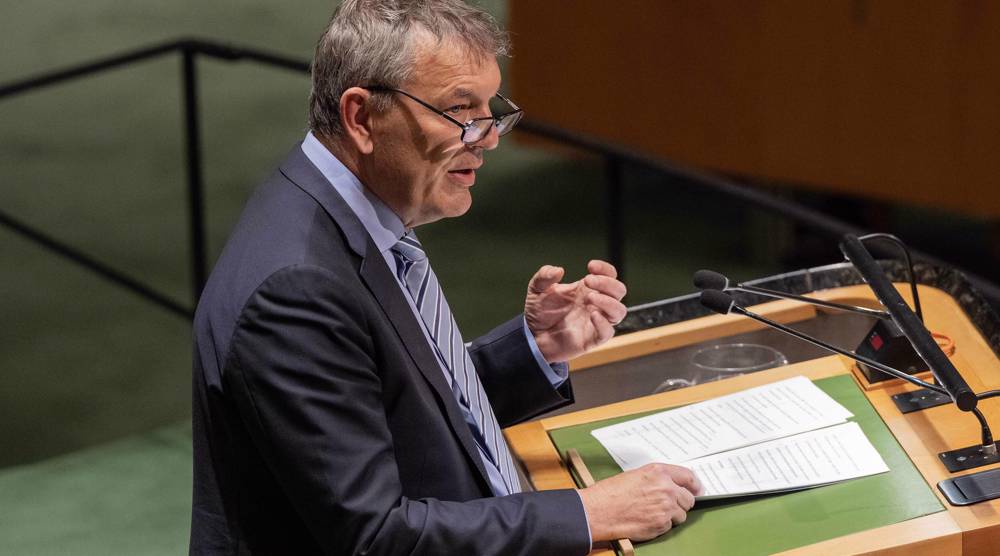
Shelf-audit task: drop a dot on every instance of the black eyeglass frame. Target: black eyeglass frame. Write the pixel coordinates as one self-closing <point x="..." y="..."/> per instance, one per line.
<point x="471" y="124"/>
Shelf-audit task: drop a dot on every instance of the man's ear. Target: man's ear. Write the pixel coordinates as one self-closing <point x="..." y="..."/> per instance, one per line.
<point x="356" y="117"/>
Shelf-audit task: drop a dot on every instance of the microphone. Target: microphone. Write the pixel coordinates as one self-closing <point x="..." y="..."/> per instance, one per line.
<point x="711" y="280"/>
<point x="885" y="342"/>
<point x="723" y="303"/>
<point x="955" y="460"/>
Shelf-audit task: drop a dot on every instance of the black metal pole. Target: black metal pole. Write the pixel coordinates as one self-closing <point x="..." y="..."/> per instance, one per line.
<point x="615" y="218"/>
<point x="192" y="143"/>
<point x="237" y="53"/>
<point x="616" y="155"/>
<point x="813" y="219"/>
<point x="94" y="265"/>
<point x="84" y="70"/>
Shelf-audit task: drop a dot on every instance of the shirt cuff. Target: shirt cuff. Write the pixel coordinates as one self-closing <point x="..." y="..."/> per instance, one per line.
<point x="557" y="373"/>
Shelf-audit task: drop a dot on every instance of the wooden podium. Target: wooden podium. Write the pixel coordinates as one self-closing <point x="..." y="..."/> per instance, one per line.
<point x="973" y="530"/>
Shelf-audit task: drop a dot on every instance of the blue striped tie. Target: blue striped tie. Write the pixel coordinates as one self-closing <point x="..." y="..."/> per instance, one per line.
<point x="415" y="271"/>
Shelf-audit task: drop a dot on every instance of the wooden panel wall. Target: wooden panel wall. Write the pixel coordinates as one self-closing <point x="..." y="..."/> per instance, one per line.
<point x="891" y="99"/>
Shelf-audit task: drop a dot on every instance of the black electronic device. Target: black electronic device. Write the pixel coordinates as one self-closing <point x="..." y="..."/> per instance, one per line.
<point x="887" y="344"/>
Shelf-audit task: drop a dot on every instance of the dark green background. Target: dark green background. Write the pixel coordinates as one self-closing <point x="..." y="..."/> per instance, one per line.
<point x="98" y="163"/>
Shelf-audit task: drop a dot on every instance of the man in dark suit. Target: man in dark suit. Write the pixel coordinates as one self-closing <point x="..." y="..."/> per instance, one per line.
<point x="336" y="407"/>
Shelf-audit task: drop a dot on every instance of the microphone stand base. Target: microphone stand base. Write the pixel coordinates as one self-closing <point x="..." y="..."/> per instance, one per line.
<point x="969" y="458"/>
<point x="918" y="400"/>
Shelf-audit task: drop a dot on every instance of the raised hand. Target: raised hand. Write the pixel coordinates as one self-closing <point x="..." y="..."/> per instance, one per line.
<point x="569" y="319"/>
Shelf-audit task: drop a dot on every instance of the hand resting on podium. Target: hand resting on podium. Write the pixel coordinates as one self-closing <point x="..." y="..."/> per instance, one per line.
<point x="640" y="504"/>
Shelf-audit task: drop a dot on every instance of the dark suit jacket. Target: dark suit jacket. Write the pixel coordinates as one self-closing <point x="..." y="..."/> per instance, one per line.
<point x="322" y="420"/>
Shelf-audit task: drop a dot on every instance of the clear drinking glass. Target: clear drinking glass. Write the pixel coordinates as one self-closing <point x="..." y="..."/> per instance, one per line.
<point x="723" y="361"/>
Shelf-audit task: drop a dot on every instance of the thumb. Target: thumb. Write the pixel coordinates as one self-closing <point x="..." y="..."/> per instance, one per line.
<point x="545" y="277"/>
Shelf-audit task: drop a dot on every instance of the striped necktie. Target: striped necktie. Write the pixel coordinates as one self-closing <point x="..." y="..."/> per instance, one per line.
<point x="415" y="271"/>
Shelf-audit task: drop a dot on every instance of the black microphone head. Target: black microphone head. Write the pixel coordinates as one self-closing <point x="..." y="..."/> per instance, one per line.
<point x="710" y="280"/>
<point x="718" y="301"/>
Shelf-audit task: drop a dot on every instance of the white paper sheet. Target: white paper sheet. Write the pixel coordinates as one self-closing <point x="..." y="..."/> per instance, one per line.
<point x="744" y="418"/>
<point x="805" y="460"/>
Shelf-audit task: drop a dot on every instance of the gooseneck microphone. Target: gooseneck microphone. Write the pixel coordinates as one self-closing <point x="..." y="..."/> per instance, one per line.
<point x="711" y="280"/>
<point x="923" y="343"/>
<point x="906" y="326"/>
<point x="722" y="303"/>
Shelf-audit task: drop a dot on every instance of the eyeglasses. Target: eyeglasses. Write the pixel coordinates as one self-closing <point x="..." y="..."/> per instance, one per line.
<point x="475" y="129"/>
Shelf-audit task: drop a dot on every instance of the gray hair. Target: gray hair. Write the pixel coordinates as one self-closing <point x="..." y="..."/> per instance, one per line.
<point x="374" y="42"/>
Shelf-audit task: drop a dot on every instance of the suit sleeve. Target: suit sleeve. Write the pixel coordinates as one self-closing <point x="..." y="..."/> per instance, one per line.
<point x="306" y="388"/>
<point x="517" y="387"/>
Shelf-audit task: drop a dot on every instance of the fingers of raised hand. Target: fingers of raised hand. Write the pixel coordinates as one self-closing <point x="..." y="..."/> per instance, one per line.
<point x="606" y="285"/>
<point x="611" y="308"/>
<point x="603" y="330"/>
<point x="545" y="277"/>
<point x="597" y="266"/>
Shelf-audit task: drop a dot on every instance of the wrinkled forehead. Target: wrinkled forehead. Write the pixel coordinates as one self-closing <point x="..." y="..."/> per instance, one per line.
<point x="424" y="40"/>
<point x="440" y="61"/>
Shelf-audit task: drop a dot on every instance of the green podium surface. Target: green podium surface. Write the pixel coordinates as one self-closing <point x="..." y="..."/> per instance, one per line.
<point x="767" y="524"/>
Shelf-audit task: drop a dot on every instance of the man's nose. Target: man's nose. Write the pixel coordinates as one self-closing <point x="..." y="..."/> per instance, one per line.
<point x="489" y="141"/>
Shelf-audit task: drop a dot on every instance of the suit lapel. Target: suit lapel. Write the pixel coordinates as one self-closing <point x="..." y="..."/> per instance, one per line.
<point x="384" y="287"/>
<point x="386" y="290"/>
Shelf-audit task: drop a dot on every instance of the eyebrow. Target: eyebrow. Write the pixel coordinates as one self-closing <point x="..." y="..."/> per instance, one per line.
<point x="461" y="92"/>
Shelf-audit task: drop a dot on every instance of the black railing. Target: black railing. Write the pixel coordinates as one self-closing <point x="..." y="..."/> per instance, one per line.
<point x="616" y="157"/>
<point x="189" y="49"/>
<point x="822" y="224"/>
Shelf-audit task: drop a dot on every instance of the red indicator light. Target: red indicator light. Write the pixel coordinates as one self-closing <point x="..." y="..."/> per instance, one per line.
<point x="876" y="342"/>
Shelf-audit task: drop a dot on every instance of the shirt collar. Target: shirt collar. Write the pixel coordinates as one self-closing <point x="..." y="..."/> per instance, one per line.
<point x="379" y="220"/>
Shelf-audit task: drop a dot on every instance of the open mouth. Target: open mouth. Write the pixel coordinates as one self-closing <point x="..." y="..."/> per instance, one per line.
<point x="465" y="176"/>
